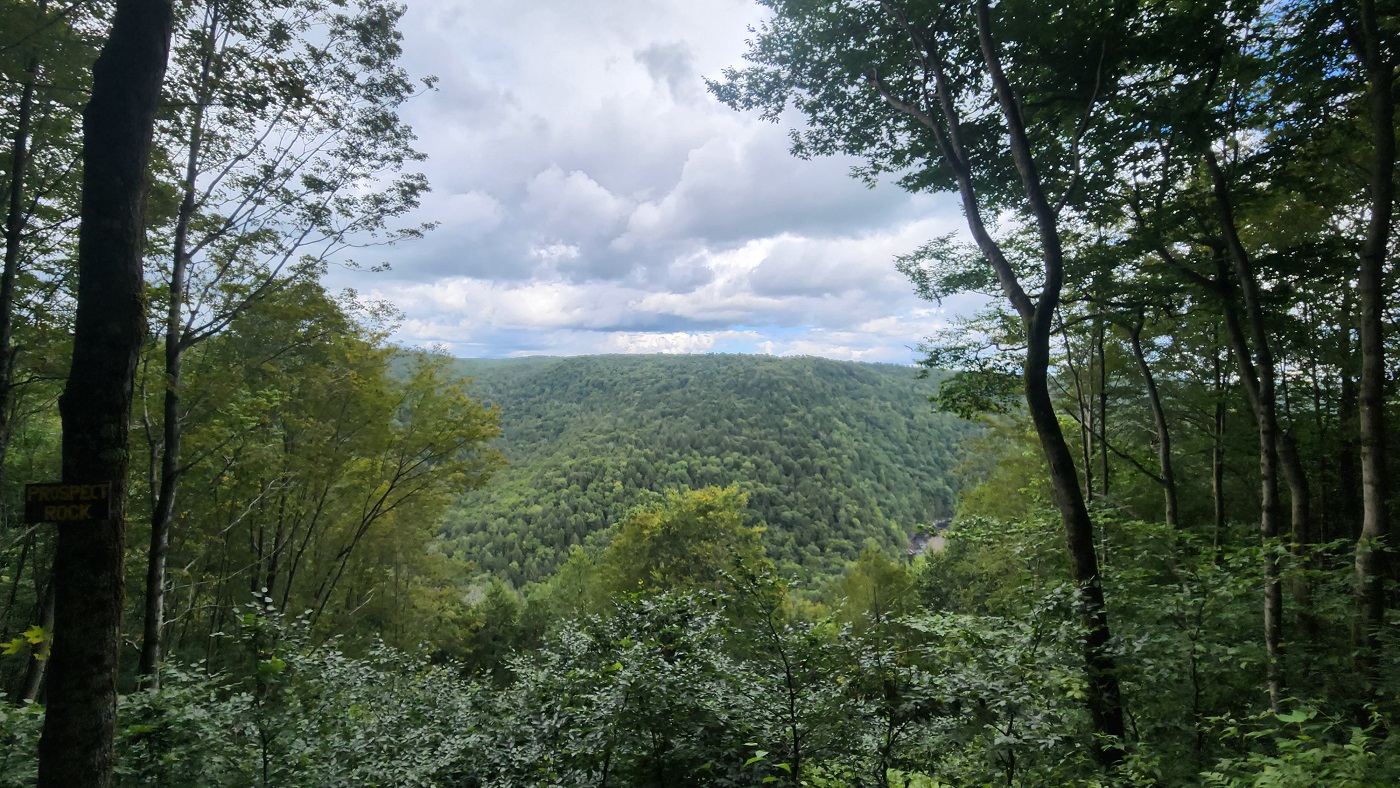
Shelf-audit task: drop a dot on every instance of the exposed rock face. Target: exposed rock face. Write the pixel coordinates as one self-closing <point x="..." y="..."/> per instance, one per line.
<point x="921" y="541"/>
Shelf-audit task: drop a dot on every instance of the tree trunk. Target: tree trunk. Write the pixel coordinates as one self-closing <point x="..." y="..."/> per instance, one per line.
<point x="1299" y="491"/>
<point x="1089" y="424"/>
<point x="1372" y="548"/>
<point x="172" y="428"/>
<point x="1105" y="700"/>
<point x="1217" y="453"/>
<point x="75" y="748"/>
<point x="34" y="671"/>
<point x="1300" y="536"/>
<point x="164" y="509"/>
<point x="1348" y="474"/>
<point x="1086" y="414"/>
<point x="1259" y="385"/>
<point x="1100" y="330"/>
<point x="15" y="221"/>
<point x="26" y="544"/>
<point x="1299" y="488"/>
<point x="1268" y="515"/>
<point x="1104" y="697"/>
<point x="1159" y="419"/>
<point x="1322" y="472"/>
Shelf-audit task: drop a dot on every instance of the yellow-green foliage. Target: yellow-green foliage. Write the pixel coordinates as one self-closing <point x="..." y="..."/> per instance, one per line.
<point x="1003" y="471"/>
<point x="875" y="589"/>
<point x="693" y="539"/>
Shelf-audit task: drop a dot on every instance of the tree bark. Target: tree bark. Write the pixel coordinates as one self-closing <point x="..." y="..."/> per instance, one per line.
<point x="15" y="221"/>
<point x="1105" y="699"/>
<point x="1258" y="382"/>
<point x="1100" y="329"/>
<point x="172" y="428"/>
<point x="34" y="671"/>
<point x="1159" y="420"/>
<point x="1268" y="513"/>
<point x="1322" y="506"/>
<point x="26" y="544"/>
<point x="1372" y="548"/>
<point x="1300" y="536"/>
<point x="1086" y="413"/>
<point x="1348" y="474"/>
<point x="943" y="120"/>
<point x="1217" y="454"/>
<point x="1299" y="491"/>
<point x="75" y="748"/>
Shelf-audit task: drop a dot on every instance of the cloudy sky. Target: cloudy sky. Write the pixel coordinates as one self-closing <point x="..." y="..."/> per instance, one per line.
<point x="593" y="198"/>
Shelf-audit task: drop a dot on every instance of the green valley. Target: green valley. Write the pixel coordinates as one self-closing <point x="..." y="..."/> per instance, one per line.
<point x="832" y="455"/>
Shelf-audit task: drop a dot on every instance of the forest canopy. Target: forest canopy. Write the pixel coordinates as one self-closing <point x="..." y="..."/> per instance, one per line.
<point x="831" y="455"/>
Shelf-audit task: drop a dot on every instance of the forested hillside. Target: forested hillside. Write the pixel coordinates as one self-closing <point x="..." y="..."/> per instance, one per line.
<point x="831" y="454"/>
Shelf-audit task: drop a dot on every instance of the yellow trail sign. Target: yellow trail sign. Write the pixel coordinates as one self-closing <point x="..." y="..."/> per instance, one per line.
<point x="67" y="503"/>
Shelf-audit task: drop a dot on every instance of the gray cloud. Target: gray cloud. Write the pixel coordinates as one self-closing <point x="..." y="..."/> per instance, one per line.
<point x="672" y="65"/>
<point x="593" y="198"/>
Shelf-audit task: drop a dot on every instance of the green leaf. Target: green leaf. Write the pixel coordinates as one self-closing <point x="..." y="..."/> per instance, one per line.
<point x="1298" y="715"/>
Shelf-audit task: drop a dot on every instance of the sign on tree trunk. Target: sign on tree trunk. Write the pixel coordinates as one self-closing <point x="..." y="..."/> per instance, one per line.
<point x="67" y="503"/>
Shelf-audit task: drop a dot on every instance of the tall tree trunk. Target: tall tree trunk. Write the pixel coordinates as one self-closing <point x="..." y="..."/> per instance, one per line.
<point x="1299" y="488"/>
<point x="172" y="429"/>
<point x="1300" y="536"/>
<point x="942" y="119"/>
<point x="1322" y="472"/>
<point x="1268" y="513"/>
<point x="26" y="544"/>
<point x="1100" y="330"/>
<point x="164" y="509"/>
<point x="1299" y="491"/>
<point x="1348" y="474"/>
<point x="15" y="221"/>
<point x="1372" y="548"/>
<point x="75" y="748"/>
<point x="40" y="589"/>
<point x="1086" y="413"/>
<point x="1259" y="385"/>
<point x="1159" y="419"/>
<point x="1089" y="425"/>
<point x="1105" y="699"/>
<point x="1217" y="453"/>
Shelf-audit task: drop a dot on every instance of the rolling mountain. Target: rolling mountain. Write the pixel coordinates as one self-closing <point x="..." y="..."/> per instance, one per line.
<point x="832" y="454"/>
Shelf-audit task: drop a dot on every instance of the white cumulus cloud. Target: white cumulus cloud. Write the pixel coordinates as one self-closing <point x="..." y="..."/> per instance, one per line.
<point x="592" y="197"/>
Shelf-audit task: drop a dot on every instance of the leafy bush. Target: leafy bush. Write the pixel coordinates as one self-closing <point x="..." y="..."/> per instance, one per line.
<point x="1305" y="747"/>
